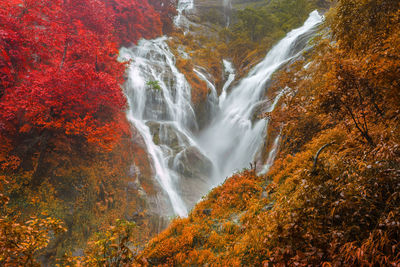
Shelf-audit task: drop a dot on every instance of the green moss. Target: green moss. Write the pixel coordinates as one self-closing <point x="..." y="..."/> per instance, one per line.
<point x="258" y="26"/>
<point x="154" y="85"/>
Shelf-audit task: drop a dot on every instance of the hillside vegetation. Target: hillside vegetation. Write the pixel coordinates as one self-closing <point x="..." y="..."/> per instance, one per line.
<point x="332" y="197"/>
<point x="257" y="29"/>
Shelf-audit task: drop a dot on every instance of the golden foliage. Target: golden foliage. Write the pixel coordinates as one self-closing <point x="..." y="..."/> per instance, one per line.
<point x="22" y="242"/>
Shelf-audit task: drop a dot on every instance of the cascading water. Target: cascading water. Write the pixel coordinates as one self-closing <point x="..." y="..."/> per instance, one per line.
<point x="165" y="112"/>
<point x="233" y="138"/>
<point x="231" y="72"/>
<point x="227" y="10"/>
<point x="180" y="20"/>
<point x="188" y="161"/>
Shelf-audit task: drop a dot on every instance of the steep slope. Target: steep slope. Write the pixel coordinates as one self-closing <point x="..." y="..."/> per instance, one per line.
<point x="332" y="197"/>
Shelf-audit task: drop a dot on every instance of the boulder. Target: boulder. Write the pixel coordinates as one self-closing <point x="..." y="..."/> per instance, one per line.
<point x="165" y="133"/>
<point x="195" y="170"/>
<point x="192" y="164"/>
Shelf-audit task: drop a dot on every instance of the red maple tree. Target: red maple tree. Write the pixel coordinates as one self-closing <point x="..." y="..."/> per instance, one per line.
<point x="59" y="72"/>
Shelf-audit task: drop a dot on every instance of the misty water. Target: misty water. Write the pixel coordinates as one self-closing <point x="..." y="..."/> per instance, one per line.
<point x="188" y="160"/>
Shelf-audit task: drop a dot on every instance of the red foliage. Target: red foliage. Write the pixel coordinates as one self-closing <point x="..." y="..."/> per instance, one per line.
<point x="135" y="19"/>
<point x="58" y="64"/>
<point x="61" y="59"/>
<point x="167" y="11"/>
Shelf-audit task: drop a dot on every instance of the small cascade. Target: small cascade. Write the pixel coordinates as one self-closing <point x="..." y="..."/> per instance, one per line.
<point x="212" y="97"/>
<point x="180" y="20"/>
<point x="228" y="68"/>
<point x="271" y="155"/>
<point x="227" y="12"/>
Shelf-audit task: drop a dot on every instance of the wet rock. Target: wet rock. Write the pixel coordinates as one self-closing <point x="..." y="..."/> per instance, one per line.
<point x="191" y="163"/>
<point x="78" y="253"/>
<point x="203" y="114"/>
<point x="210" y="13"/>
<point x="195" y="170"/>
<point x="155" y="107"/>
<point x="166" y="134"/>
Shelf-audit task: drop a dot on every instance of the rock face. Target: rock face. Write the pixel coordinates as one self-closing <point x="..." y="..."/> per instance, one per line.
<point x="196" y="171"/>
<point x="219" y="12"/>
<point x="187" y="161"/>
<point x="165" y="133"/>
<point x="211" y="12"/>
<point x="192" y="164"/>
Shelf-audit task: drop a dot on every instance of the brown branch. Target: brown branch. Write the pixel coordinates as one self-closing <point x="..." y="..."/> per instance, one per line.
<point x="363" y="133"/>
<point x="317" y="155"/>
<point x="64" y="55"/>
<point x="40" y="170"/>
<point x="361" y="100"/>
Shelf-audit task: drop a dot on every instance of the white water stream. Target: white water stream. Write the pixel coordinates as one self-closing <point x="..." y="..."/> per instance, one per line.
<point x="180" y="20"/>
<point x="227" y="10"/>
<point x="188" y="161"/>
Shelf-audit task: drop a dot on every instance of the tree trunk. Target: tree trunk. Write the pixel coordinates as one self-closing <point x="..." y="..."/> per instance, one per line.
<point x="64" y="54"/>
<point x="41" y="170"/>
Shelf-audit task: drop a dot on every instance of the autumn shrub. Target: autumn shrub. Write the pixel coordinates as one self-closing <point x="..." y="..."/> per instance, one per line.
<point x="113" y="247"/>
<point x="22" y="242"/>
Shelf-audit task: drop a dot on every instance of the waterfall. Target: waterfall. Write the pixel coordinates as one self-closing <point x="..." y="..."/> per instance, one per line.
<point x="165" y="112"/>
<point x="187" y="161"/>
<point x="271" y="155"/>
<point x="227" y="10"/>
<point x="233" y="138"/>
<point x="213" y="95"/>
